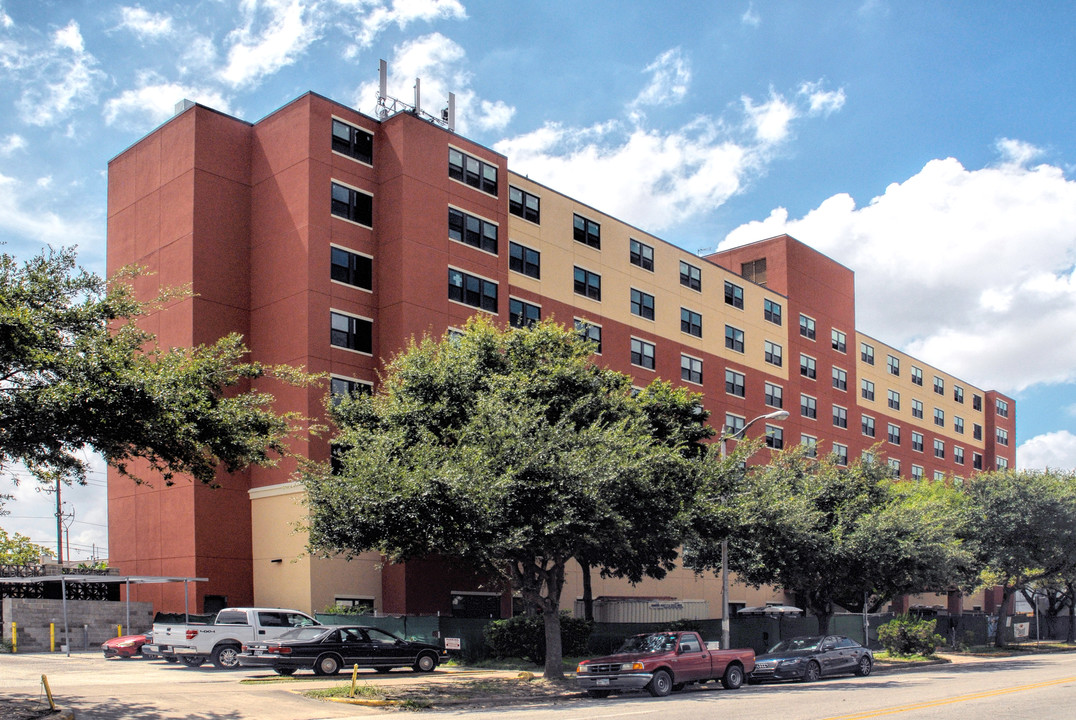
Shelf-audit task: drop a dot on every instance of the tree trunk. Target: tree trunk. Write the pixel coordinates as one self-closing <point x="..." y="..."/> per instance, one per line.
<point x="554" y="582"/>
<point x="588" y="593"/>
<point x="823" y="610"/>
<point x="1003" y="613"/>
<point x="1070" y="636"/>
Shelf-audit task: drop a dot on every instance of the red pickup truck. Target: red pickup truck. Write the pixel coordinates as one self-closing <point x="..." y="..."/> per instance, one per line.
<point x="662" y="662"/>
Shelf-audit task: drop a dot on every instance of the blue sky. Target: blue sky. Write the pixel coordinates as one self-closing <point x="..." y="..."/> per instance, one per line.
<point x="928" y="146"/>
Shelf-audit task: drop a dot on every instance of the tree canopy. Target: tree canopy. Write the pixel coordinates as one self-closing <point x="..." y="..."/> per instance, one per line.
<point x="76" y="371"/>
<point x="512" y="451"/>
<point x="17" y="549"/>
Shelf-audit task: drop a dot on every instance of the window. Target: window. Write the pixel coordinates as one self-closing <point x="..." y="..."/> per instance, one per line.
<point x="893" y="434"/>
<point x="690" y="322"/>
<point x="587" y="232"/>
<point x="958" y="455"/>
<point x="840" y="453"/>
<point x="808" y="406"/>
<point x="939" y="417"/>
<point x="471" y="230"/>
<point x="733" y="338"/>
<point x="522" y="204"/>
<point x="839" y="340"/>
<point x="642" y="304"/>
<point x="472" y="171"/>
<point x="734" y="424"/>
<point x="939" y="449"/>
<point x="774" y="395"/>
<point x="811" y="443"/>
<point x="755" y="271"/>
<point x="958" y="394"/>
<point x="894" y="365"/>
<point x="352" y="205"/>
<point x="958" y="424"/>
<point x="1002" y="463"/>
<point x="775" y="437"/>
<point x="867" y="425"/>
<point x="734" y="383"/>
<point x="522" y="314"/>
<point x="894" y="467"/>
<point x="691" y="369"/>
<point x="807" y="327"/>
<point x="773" y="353"/>
<point x="351" y="268"/>
<point x="807" y="366"/>
<point x="588" y="284"/>
<point x="977" y="461"/>
<point x="840" y="417"/>
<point x="350" y="332"/>
<point x="939" y="475"/>
<point x="642" y="255"/>
<point x="917" y="472"/>
<point x="840" y="379"/>
<point x="893" y="399"/>
<point x="917" y="441"/>
<point x="917" y="376"/>
<point x="471" y="290"/>
<point x="939" y="385"/>
<point x="866" y="389"/>
<point x="866" y="353"/>
<point x="917" y="409"/>
<point x="977" y="431"/>
<point x="642" y="353"/>
<point x="1003" y="408"/>
<point x="341" y="387"/>
<point x="589" y="331"/>
<point x="976" y="402"/>
<point x="690" y="276"/>
<point x="353" y="142"/>
<point x="523" y="260"/>
<point x="771" y="311"/>
<point x="733" y="295"/>
<point x="1003" y="436"/>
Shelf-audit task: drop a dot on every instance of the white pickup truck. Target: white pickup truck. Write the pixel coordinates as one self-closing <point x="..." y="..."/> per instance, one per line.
<point x="222" y="640"/>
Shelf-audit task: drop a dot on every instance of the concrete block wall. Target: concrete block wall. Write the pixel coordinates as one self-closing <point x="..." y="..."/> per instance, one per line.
<point x="90" y="622"/>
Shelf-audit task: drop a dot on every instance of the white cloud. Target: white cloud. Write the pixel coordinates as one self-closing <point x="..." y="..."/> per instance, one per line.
<point x="821" y="101"/>
<point x="153" y="101"/>
<point x="25" y="213"/>
<point x="670" y="78"/>
<point x="5" y="19"/>
<point x="274" y="34"/>
<point x="373" y="17"/>
<point x="970" y="270"/>
<point x="771" y="120"/>
<point x="1016" y="152"/>
<point x="46" y="103"/>
<point x="751" y="16"/>
<point x="1055" y="450"/>
<point x="145" y="24"/>
<point x="11" y="144"/>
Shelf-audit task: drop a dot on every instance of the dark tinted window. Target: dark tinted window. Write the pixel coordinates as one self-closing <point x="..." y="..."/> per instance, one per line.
<point x="232" y="617"/>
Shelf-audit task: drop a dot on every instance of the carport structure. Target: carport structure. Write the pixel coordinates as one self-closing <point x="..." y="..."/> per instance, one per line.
<point x="127" y="581"/>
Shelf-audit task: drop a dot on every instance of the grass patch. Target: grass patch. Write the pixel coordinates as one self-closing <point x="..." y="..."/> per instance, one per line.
<point x="364" y="691"/>
<point x="887" y="656"/>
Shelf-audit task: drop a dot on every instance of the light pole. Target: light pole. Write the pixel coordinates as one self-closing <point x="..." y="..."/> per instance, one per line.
<point x="725" y="437"/>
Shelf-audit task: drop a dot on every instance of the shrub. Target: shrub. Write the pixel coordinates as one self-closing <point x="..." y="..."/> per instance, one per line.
<point x="905" y="635"/>
<point x="523" y="636"/>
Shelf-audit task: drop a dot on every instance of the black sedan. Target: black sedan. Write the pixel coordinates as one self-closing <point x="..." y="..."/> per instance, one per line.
<point x="811" y="657"/>
<point x="326" y="650"/>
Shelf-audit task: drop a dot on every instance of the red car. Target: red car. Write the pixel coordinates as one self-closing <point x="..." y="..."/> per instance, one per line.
<point x="126" y="646"/>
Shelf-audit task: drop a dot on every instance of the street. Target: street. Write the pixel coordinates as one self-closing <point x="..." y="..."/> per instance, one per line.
<point x="1039" y="686"/>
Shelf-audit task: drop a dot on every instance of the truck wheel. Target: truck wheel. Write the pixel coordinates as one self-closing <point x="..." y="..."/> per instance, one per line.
<point x="192" y="660"/>
<point x="425" y="662"/>
<point x="813" y="672"/>
<point x="598" y="693"/>
<point x="661" y="684"/>
<point x="225" y="657"/>
<point x="327" y="664"/>
<point x="733" y="678"/>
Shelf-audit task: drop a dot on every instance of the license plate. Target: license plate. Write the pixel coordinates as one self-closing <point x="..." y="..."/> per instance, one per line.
<point x="601" y="681"/>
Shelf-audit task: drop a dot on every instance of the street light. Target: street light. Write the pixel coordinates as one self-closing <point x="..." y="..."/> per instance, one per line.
<point x="725" y="437"/>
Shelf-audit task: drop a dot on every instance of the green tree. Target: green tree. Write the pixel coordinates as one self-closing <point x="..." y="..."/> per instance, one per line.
<point x="512" y="451"/>
<point x="17" y="549"/>
<point x="1022" y="525"/>
<point x="832" y="535"/>
<point x="77" y="371"/>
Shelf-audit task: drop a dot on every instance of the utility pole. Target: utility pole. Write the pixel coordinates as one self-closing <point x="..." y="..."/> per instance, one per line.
<point x="59" y="525"/>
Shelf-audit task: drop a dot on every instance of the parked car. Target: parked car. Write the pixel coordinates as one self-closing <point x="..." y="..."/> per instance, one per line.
<point x="662" y="662"/>
<point x="808" y="658"/>
<point x="125" y="646"/>
<point x="327" y="649"/>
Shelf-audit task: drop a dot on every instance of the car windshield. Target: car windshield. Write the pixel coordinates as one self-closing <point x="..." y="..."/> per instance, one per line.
<point x="655" y="642"/>
<point x="303" y="633"/>
<point x="799" y="643"/>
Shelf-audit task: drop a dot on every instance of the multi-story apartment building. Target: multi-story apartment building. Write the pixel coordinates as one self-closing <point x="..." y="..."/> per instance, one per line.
<point x="329" y="238"/>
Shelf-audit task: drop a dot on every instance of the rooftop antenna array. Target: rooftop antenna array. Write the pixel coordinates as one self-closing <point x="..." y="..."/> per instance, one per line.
<point x="388" y="106"/>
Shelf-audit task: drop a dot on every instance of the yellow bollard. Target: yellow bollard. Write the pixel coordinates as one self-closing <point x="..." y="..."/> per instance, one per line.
<point x="14" y="637"/>
<point x="354" y="679"/>
<point x="48" y="691"/>
<point x="119" y="631"/>
<point x="52" y="637"/>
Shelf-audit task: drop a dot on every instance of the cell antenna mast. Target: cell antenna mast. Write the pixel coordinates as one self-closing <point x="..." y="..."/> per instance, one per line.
<point x="388" y="105"/>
